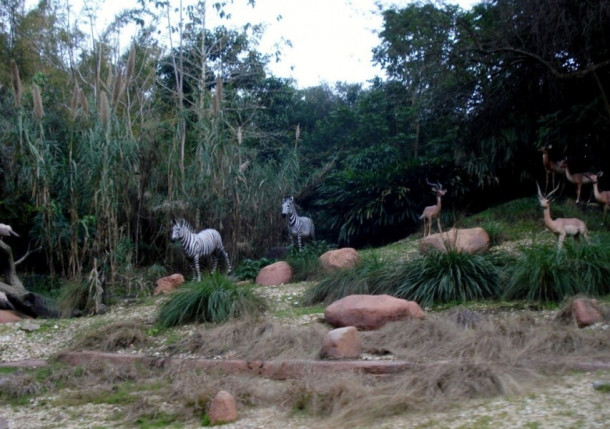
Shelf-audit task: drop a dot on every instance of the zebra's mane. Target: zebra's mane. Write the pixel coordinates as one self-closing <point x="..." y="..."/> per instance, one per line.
<point x="183" y="223"/>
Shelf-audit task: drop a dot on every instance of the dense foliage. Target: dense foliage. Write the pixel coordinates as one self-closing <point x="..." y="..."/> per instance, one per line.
<point x="102" y="144"/>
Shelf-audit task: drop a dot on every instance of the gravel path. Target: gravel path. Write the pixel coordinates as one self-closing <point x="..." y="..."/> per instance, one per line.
<point x="562" y="402"/>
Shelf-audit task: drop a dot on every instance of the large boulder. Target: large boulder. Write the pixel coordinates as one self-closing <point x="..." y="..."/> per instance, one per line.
<point x="368" y="312"/>
<point x="338" y="259"/>
<point x="275" y="274"/>
<point x="169" y="284"/>
<point x="470" y="240"/>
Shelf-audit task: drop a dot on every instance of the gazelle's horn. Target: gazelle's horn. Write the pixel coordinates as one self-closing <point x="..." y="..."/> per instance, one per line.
<point x="428" y="182"/>
<point x="552" y="192"/>
<point x="539" y="191"/>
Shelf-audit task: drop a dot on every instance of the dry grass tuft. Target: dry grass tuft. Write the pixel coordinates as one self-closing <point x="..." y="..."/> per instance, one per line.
<point x="116" y="336"/>
<point x="256" y="340"/>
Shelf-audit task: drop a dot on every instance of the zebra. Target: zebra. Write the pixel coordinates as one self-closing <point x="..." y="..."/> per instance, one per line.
<point x="196" y="245"/>
<point x="298" y="226"/>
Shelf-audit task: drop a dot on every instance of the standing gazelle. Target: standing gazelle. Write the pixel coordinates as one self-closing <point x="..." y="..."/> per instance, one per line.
<point x="561" y="226"/>
<point x="551" y="167"/>
<point x="433" y="212"/>
<point x="578" y="179"/>
<point x="602" y="197"/>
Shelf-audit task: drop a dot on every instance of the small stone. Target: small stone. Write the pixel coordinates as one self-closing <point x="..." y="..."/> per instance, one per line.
<point x="223" y="408"/>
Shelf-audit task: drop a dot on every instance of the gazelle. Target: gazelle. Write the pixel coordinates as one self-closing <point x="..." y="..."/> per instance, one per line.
<point x="561" y="227"/>
<point x="602" y="197"/>
<point x="578" y="179"/>
<point x="433" y="212"/>
<point x="551" y="167"/>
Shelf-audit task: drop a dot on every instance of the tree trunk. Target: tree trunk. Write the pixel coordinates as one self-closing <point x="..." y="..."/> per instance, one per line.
<point x="20" y="298"/>
<point x="10" y="283"/>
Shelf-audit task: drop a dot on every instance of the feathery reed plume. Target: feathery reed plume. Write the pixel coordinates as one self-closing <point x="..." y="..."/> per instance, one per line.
<point x="118" y="86"/>
<point x="131" y="61"/>
<point x="74" y="101"/>
<point x="297" y="133"/>
<point x="239" y="136"/>
<point x="83" y="101"/>
<point x="16" y="80"/>
<point x="38" y="110"/>
<point x="104" y="114"/>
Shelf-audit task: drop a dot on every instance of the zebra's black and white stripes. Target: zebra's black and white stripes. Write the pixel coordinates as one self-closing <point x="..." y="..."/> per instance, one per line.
<point x="196" y="245"/>
<point x="298" y="226"/>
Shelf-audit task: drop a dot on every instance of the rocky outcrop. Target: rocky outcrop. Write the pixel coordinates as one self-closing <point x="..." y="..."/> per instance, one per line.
<point x="471" y="240"/>
<point x="339" y="259"/>
<point x="275" y="274"/>
<point x="169" y="284"/>
<point x="368" y="312"/>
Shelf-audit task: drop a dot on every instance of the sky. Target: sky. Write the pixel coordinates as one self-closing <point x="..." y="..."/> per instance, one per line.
<point x="331" y="40"/>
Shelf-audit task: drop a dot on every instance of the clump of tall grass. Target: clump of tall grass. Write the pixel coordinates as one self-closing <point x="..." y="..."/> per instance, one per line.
<point x="542" y="274"/>
<point x="215" y="299"/>
<point x="362" y="279"/>
<point x="441" y="277"/>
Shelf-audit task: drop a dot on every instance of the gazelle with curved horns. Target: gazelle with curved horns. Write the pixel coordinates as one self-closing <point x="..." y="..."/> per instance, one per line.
<point x="433" y="212"/>
<point x="561" y="227"/>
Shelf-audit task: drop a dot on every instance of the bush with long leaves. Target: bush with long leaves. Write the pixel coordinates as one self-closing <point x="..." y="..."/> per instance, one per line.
<point x="542" y="274"/>
<point x="441" y="277"/>
<point x="214" y="299"/>
<point x="362" y="279"/>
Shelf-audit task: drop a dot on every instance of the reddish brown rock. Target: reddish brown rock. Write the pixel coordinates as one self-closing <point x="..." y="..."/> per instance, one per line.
<point x="471" y="240"/>
<point x="368" y="312"/>
<point x="341" y="343"/>
<point x="586" y="312"/>
<point x="168" y="284"/>
<point x="274" y="274"/>
<point x="223" y="408"/>
<point x="338" y="259"/>
<point x="12" y="316"/>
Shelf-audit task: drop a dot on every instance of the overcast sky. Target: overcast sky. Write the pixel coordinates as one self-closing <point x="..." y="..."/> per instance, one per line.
<point x="331" y="40"/>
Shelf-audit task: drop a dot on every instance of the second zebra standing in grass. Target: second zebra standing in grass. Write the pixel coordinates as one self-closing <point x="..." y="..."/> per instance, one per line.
<point x="196" y="245"/>
<point x="298" y="226"/>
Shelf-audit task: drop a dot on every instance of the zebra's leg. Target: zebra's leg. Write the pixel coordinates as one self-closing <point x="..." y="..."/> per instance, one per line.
<point x="214" y="263"/>
<point x="195" y="266"/>
<point x="226" y="257"/>
<point x="299" y="241"/>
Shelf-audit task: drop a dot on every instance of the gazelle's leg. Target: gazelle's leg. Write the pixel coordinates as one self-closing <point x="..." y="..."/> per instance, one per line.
<point x="438" y="221"/>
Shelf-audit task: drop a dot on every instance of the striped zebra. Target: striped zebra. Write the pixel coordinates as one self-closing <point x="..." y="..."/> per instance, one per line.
<point x="196" y="245"/>
<point x="298" y="226"/>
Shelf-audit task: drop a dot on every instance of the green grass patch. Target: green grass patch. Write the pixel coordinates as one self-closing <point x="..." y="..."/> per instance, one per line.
<point x="215" y="299"/>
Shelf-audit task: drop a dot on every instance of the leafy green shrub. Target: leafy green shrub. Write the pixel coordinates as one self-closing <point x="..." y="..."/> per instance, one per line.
<point x="45" y="285"/>
<point x="439" y="277"/>
<point x="249" y="268"/>
<point x="362" y="279"/>
<point x="214" y="299"/>
<point x="305" y="264"/>
<point x="540" y="273"/>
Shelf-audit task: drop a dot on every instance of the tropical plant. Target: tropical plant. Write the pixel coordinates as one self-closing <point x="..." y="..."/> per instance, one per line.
<point x="215" y="299"/>
<point x="441" y="277"/>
